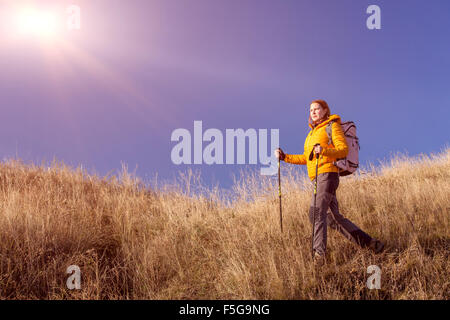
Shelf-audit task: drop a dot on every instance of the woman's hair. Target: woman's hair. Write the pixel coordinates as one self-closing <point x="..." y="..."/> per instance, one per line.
<point x="324" y="105"/>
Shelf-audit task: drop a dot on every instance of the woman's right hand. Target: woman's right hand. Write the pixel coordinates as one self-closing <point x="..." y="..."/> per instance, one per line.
<point x="279" y="154"/>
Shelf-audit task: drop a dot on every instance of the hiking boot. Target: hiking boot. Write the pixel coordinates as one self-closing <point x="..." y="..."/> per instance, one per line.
<point x="376" y="246"/>
<point x="318" y="260"/>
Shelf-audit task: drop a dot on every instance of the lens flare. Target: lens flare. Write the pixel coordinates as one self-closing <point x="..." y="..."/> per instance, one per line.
<point x="36" y="23"/>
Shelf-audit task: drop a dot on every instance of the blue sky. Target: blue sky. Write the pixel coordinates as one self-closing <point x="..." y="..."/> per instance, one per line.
<point x="114" y="91"/>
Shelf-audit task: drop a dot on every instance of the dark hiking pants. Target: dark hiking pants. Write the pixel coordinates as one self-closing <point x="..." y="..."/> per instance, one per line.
<point x="327" y="184"/>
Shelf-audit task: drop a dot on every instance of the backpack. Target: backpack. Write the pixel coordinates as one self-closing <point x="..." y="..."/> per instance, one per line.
<point x="349" y="164"/>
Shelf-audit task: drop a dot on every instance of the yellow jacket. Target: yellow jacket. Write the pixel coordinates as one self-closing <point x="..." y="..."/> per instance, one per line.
<point x="329" y="153"/>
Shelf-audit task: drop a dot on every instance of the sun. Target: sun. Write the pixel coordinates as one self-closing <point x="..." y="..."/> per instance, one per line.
<point x="37" y="23"/>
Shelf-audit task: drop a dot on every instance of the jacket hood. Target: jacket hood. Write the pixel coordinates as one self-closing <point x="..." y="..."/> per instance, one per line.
<point x="332" y="117"/>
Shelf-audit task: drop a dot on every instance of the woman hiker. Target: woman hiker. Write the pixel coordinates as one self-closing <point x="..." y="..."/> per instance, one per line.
<point x="327" y="181"/>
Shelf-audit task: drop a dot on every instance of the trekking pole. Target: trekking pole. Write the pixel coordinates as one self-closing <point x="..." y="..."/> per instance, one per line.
<point x="315" y="196"/>
<point x="279" y="195"/>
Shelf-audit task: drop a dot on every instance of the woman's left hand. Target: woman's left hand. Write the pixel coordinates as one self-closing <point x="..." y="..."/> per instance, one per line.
<point x="318" y="149"/>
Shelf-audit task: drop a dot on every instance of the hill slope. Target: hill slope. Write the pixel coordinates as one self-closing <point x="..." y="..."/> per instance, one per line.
<point x="131" y="243"/>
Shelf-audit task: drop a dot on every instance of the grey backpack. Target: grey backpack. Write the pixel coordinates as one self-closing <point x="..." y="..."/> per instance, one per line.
<point x="349" y="164"/>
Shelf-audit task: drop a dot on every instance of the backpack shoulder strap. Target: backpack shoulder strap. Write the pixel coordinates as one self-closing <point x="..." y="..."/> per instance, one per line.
<point x="330" y="132"/>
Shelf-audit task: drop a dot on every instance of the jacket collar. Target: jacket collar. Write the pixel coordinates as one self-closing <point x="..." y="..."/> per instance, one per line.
<point x="332" y="117"/>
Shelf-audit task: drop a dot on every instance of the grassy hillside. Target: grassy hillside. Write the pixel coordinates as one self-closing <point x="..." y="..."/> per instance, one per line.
<point x="131" y="243"/>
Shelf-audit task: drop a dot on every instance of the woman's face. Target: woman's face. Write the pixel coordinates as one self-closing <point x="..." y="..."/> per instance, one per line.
<point x="316" y="112"/>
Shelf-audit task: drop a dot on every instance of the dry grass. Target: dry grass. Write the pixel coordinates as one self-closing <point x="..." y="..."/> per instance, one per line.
<point x="131" y="243"/>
